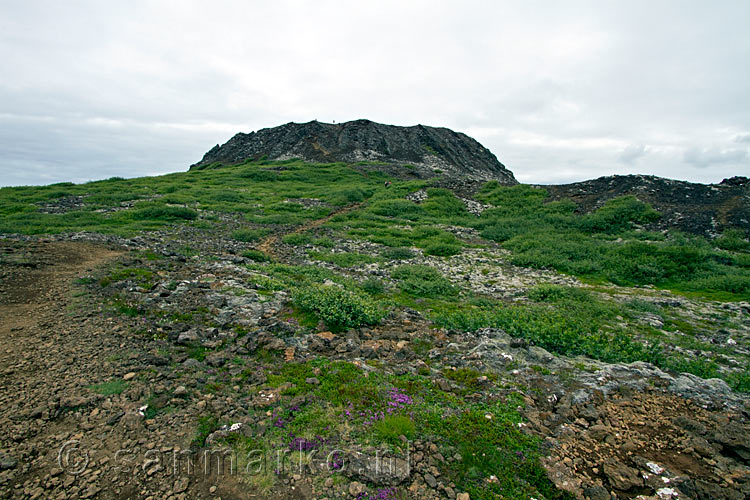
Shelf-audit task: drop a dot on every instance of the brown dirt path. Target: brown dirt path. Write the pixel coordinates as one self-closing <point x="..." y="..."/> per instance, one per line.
<point x="268" y="244"/>
<point x="37" y="278"/>
<point x="56" y="344"/>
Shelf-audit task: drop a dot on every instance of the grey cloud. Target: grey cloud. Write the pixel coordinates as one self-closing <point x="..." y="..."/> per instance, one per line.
<point x="714" y="156"/>
<point x="742" y="138"/>
<point x="630" y="154"/>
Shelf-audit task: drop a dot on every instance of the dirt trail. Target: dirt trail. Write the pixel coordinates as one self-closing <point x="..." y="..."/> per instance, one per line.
<point x="36" y="281"/>
<point x="57" y="345"/>
<point x="268" y="245"/>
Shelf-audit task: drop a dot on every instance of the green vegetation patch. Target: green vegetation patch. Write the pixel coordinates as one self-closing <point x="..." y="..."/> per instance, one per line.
<point x="142" y="276"/>
<point x="110" y="388"/>
<point x="343" y="259"/>
<point x="163" y="212"/>
<point x="349" y="406"/>
<point x="608" y="244"/>
<point x="256" y="255"/>
<point x="338" y="308"/>
<point x="573" y="321"/>
<point x="249" y="235"/>
<point x="423" y="281"/>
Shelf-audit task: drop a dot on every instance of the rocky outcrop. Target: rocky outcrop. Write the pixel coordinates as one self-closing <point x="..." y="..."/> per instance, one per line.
<point x="704" y="209"/>
<point x="415" y="151"/>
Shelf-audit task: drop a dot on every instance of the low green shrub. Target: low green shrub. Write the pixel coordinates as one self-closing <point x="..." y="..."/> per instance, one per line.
<point x="734" y="240"/>
<point x="490" y="443"/>
<point x="506" y="228"/>
<point x="338" y="308"/>
<point x="373" y="286"/>
<point x="110" y="388"/>
<point x="697" y="366"/>
<point x="258" y="175"/>
<point x="163" y="212"/>
<point x="297" y="239"/>
<point x="324" y="242"/>
<point x="347" y="196"/>
<point x="227" y="196"/>
<point x="442" y="249"/>
<point x="554" y="293"/>
<point x="343" y="259"/>
<point x="619" y="214"/>
<point x="392" y="427"/>
<point x="207" y="425"/>
<point x="143" y="277"/>
<point x="397" y="253"/>
<point x="256" y="255"/>
<point x="249" y="235"/>
<point x="423" y="281"/>
<point x="738" y="284"/>
<point x="468" y="377"/>
<point x="443" y="203"/>
<point x="739" y="381"/>
<point x="400" y="208"/>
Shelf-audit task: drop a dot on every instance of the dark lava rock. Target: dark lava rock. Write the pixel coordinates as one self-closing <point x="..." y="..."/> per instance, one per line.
<point x="596" y="493"/>
<point x="427" y="150"/>
<point x="378" y="470"/>
<point x="7" y="461"/>
<point x="622" y="477"/>
<point x="703" y="209"/>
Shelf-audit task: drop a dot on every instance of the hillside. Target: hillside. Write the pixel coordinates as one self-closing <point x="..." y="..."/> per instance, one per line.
<point x="704" y="209"/>
<point x="419" y="151"/>
<point x="491" y="343"/>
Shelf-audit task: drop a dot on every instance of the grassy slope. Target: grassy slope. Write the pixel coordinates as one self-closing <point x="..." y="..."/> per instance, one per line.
<point x="600" y="246"/>
<point x="606" y="246"/>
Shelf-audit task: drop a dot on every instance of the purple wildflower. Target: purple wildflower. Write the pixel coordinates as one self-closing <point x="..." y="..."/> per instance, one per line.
<point x="379" y="494"/>
<point x="304" y="444"/>
<point x="337" y="462"/>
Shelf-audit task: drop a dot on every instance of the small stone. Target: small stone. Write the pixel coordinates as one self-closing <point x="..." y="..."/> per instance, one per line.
<point x="192" y="363"/>
<point x="187" y="337"/>
<point x="181" y="485"/>
<point x="312" y="381"/>
<point x="129" y="376"/>
<point x="596" y="493"/>
<point x="599" y="432"/>
<point x="463" y="496"/>
<point x="180" y="391"/>
<point x="430" y="480"/>
<point x="621" y="476"/>
<point x="216" y="359"/>
<point x="91" y="492"/>
<point x="7" y="462"/>
<point x="326" y="335"/>
<point x="356" y="488"/>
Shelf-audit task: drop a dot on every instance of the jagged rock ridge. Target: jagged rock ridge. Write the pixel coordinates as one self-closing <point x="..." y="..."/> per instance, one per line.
<point x="705" y="209"/>
<point x="428" y="150"/>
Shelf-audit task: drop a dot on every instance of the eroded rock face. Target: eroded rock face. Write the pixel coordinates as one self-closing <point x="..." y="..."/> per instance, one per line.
<point x="424" y="149"/>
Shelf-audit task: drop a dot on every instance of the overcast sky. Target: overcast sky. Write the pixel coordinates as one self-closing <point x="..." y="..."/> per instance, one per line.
<point x="559" y="91"/>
